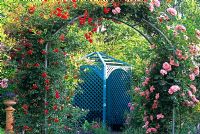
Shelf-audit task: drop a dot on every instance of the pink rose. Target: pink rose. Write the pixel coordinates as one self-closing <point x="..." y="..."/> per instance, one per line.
<point x="137" y="89"/>
<point x="129" y="104"/>
<point x="152" y="89"/>
<point x="4" y="83"/>
<point x="157" y="96"/>
<point x="151" y="130"/>
<point x="192" y="76"/>
<point x="132" y="108"/>
<point x="190" y="93"/>
<point x="173" y="89"/>
<point x="160" y="116"/>
<point x="142" y="94"/>
<point x="194" y="99"/>
<point x="194" y="89"/>
<point x="163" y="72"/>
<point x="167" y="67"/>
<point x="145" y="118"/>
<point x="151" y="117"/>
<point x="172" y="62"/>
<point x="198" y="33"/>
<point x="180" y="28"/>
<point x="151" y="7"/>
<point x="117" y="10"/>
<point x="196" y="71"/>
<point x="155" y="104"/>
<point x="156" y="3"/>
<point x="172" y="11"/>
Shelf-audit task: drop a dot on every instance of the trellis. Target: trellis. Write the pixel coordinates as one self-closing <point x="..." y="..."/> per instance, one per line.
<point x="104" y="88"/>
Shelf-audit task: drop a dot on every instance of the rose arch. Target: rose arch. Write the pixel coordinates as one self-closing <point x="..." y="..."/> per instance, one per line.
<point x="169" y="84"/>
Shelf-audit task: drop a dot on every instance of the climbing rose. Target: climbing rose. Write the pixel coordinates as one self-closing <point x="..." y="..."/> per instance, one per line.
<point x="163" y="72"/>
<point x="106" y="10"/>
<point x="132" y="108"/>
<point x="151" y="7"/>
<point x="180" y="28"/>
<point x="150" y="130"/>
<point x="41" y="41"/>
<point x="172" y="62"/>
<point x="156" y="3"/>
<point x="36" y="65"/>
<point x="155" y="104"/>
<point x="44" y="74"/>
<point x="137" y="89"/>
<point x="196" y="71"/>
<point x="56" y="50"/>
<point x="4" y="83"/>
<point x="198" y="33"/>
<point x="35" y="86"/>
<point x="172" y="11"/>
<point x="56" y="120"/>
<point x="117" y="10"/>
<point x="160" y="116"/>
<point x="30" y="52"/>
<point x="194" y="99"/>
<point x="46" y="111"/>
<point x="57" y="95"/>
<point x="62" y="37"/>
<point x="193" y="87"/>
<point x="31" y="9"/>
<point x="192" y="76"/>
<point x="157" y="96"/>
<point x="151" y="117"/>
<point x="167" y="66"/>
<point x="173" y="89"/>
<point x="55" y="107"/>
<point x="152" y="88"/>
<point x="190" y="93"/>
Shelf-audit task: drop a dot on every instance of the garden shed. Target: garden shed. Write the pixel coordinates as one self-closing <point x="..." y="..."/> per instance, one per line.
<point x="103" y="90"/>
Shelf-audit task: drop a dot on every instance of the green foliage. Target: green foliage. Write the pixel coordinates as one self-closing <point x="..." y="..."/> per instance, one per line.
<point x="2" y="131"/>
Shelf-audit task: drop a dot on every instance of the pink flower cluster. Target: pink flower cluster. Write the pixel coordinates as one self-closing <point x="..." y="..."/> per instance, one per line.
<point x="117" y="10"/>
<point x="198" y="33"/>
<point x="4" y="83"/>
<point x="193" y="49"/>
<point x="194" y="73"/>
<point x="151" y="130"/>
<point x="173" y="89"/>
<point x="172" y="11"/>
<point x="137" y="89"/>
<point x="179" y="54"/>
<point x="131" y="106"/>
<point x="160" y="116"/>
<point x="166" y="68"/>
<point x="180" y="28"/>
<point x="191" y="95"/>
<point x="146" y="81"/>
<point x="153" y="3"/>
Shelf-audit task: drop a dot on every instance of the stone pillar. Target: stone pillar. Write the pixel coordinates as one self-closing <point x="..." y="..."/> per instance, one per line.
<point x="9" y="116"/>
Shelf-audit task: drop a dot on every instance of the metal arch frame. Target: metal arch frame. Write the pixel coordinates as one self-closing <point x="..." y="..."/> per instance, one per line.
<point x="105" y="68"/>
<point x="104" y="89"/>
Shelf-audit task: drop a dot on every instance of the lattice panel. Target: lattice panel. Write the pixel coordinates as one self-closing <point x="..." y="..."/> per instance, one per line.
<point x="89" y="95"/>
<point x="118" y="84"/>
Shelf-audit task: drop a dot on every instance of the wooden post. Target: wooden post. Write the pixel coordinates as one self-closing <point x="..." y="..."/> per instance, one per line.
<point x="9" y="116"/>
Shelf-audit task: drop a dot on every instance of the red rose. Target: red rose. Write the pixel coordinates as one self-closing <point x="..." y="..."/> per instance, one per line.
<point x="36" y="65"/>
<point x="73" y="0"/>
<point x="46" y="88"/>
<point x="30" y="52"/>
<point x="94" y="29"/>
<point x="62" y="37"/>
<point x="55" y="107"/>
<point x="106" y="10"/>
<point x="82" y="21"/>
<point x="35" y="86"/>
<point x="46" y="111"/>
<point x="47" y="81"/>
<point x="90" y="20"/>
<point x="56" y="120"/>
<point x="31" y="9"/>
<point x="41" y="41"/>
<point x="44" y="74"/>
<point x="44" y="52"/>
<point x="90" y="40"/>
<point x="56" y="50"/>
<point x="57" y="95"/>
<point x="65" y="16"/>
<point x="25" y="107"/>
<point x="25" y="127"/>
